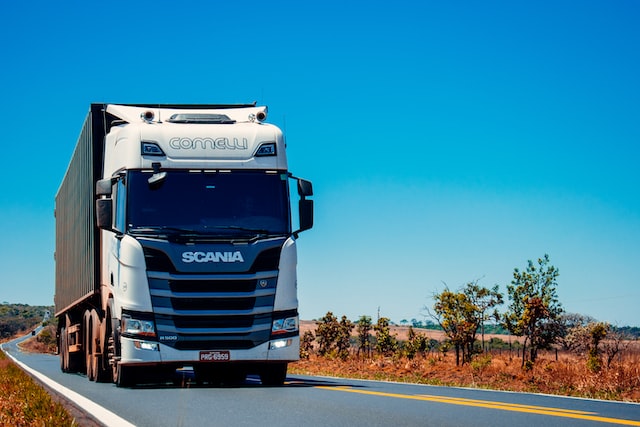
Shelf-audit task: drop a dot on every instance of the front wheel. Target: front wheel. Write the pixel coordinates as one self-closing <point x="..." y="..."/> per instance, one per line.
<point x="112" y="338"/>
<point x="126" y="376"/>
<point x="274" y="374"/>
<point x="102" y="370"/>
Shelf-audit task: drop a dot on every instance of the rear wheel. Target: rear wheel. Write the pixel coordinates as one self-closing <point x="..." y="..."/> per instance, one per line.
<point x="62" y="350"/>
<point x="69" y="362"/>
<point x="89" y="345"/>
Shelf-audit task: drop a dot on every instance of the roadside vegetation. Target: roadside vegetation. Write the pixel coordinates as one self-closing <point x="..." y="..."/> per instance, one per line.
<point x="24" y="403"/>
<point x="546" y="350"/>
<point x="44" y="342"/>
<point x="19" y="318"/>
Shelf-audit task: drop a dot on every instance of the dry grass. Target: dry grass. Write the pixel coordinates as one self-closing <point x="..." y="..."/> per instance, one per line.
<point x="562" y="374"/>
<point x="567" y="376"/>
<point x="24" y="403"/>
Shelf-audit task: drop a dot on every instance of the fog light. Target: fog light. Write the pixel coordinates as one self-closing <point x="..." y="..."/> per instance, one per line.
<point x="274" y="345"/>
<point x="145" y="345"/>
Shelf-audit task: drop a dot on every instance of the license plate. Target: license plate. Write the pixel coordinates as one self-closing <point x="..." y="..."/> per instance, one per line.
<point x="215" y="356"/>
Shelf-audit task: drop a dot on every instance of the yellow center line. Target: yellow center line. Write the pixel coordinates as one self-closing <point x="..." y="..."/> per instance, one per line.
<point x="541" y="410"/>
<point x="463" y="401"/>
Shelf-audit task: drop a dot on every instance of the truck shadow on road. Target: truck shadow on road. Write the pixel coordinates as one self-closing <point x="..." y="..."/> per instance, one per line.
<point x="188" y="380"/>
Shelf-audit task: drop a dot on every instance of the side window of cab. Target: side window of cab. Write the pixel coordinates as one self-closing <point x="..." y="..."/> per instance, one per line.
<point x="120" y="196"/>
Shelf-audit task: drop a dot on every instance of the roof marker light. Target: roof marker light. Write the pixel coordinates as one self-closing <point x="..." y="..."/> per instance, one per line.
<point x="147" y="116"/>
<point x="260" y="116"/>
<point x="201" y="118"/>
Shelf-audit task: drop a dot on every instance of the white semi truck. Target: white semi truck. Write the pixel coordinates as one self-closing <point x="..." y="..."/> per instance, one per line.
<point x="175" y="246"/>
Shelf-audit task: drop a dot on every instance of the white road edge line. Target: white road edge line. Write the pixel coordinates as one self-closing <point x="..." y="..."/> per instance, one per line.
<point x="105" y="416"/>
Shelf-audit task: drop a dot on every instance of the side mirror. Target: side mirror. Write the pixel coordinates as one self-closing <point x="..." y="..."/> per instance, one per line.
<point x="104" y="187"/>
<point x="306" y="214"/>
<point x="104" y="213"/>
<point x="158" y="177"/>
<point x="305" y="188"/>
<point x="305" y="207"/>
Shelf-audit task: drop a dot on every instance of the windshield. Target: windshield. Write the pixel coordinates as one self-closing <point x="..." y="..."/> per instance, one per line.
<point x="237" y="203"/>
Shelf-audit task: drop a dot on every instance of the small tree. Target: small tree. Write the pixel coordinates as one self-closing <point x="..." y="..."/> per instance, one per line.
<point x="597" y="333"/>
<point x="616" y="342"/>
<point x="327" y="334"/>
<point x="343" y="340"/>
<point x="575" y="334"/>
<point x="596" y="339"/>
<point x="534" y="312"/>
<point x="364" y="336"/>
<point x="386" y="344"/>
<point x="484" y="300"/>
<point x="458" y="318"/>
<point x="306" y="344"/>
<point x="416" y="343"/>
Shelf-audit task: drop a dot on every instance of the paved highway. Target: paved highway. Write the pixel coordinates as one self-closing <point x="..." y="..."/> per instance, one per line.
<point x="314" y="401"/>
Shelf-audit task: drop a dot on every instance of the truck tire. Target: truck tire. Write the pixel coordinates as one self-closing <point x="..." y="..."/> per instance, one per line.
<point x="126" y="376"/>
<point x="62" y="350"/>
<point x="89" y="345"/>
<point x="94" y="348"/>
<point x="112" y="343"/>
<point x="274" y="374"/>
<point x="103" y="369"/>
<point x="69" y="362"/>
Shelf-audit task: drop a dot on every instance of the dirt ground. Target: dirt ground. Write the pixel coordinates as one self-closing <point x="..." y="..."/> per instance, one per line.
<point x="554" y="372"/>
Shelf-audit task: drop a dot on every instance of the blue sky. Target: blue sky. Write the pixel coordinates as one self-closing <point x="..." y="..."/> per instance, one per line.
<point x="447" y="141"/>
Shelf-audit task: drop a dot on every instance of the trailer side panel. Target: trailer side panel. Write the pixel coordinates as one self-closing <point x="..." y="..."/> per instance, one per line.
<point x="77" y="237"/>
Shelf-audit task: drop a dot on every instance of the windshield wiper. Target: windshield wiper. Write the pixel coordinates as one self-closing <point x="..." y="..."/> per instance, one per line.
<point x="251" y="234"/>
<point x="163" y="229"/>
<point x="237" y="227"/>
<point x="169" y="233"/>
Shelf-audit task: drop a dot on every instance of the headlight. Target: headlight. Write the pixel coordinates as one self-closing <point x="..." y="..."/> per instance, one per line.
<point x="283" y="326"/>
<point x="266" y="149"/>
<point x="139" y="327"/>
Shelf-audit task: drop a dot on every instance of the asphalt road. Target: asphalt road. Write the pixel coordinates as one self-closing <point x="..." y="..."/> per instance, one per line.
<point x="316" y="401"/>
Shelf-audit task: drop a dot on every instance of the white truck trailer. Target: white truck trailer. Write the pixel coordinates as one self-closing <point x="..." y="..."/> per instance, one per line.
<point x="175" y="246"/>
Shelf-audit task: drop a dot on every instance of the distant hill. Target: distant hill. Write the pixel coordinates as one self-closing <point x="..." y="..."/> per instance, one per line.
<point x="17" y="318"/>
<point x="630" y="331"/>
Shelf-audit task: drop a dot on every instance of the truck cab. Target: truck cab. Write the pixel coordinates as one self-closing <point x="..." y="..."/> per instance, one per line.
<point x="197" y="250"/>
